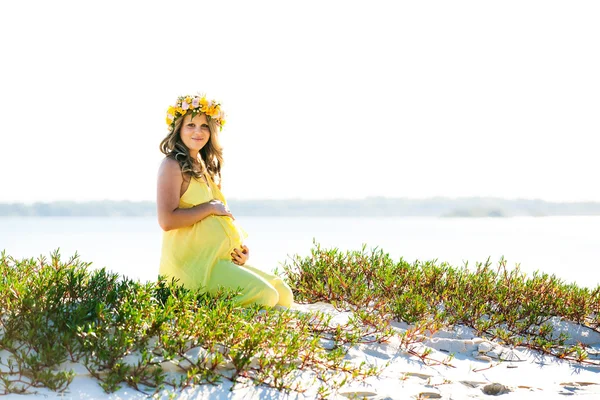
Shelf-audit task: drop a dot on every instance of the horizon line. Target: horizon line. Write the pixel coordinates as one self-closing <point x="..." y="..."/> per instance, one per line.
<point x="437" y="197"/>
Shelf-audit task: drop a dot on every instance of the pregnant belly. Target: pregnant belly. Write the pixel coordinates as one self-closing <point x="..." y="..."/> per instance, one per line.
<point x="220" y="232"/>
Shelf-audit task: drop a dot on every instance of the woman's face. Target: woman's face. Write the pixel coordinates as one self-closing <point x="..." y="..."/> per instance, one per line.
<point x="195" y="132"/>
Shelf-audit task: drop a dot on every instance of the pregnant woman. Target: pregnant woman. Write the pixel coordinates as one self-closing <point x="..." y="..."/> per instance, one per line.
<point x="202" y="244"/>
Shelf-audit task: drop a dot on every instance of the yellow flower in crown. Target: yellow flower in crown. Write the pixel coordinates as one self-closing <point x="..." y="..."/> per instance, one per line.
<point x="212" y="111"/>
<point x="203" y="104"/>
<point x="195" y="105"/>
<point x="170" y="115"/>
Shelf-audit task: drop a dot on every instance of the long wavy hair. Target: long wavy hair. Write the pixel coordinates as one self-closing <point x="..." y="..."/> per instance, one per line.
<point x="211" y="155"/>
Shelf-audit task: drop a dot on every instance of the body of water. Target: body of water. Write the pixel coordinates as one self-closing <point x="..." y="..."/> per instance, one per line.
<point x="568" y="247"/>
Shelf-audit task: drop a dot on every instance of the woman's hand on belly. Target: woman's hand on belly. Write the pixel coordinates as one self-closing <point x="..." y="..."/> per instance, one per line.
<point x="220" y="209"/>
<point x="241" y="255"/>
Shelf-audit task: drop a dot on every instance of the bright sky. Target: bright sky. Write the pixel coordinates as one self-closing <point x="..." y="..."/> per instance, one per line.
<point x="325" y="99"/>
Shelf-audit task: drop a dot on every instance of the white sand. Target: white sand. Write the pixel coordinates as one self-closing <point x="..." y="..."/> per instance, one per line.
<point x="529" y="375"/>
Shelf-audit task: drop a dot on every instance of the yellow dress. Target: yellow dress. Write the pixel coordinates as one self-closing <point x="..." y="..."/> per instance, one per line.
<point x="199" y="256"/>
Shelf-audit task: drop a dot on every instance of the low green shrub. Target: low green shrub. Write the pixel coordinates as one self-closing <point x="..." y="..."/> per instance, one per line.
<point x="159" y="335"/>
<point x="499" y="303"/>
<point x="156" y="335"/>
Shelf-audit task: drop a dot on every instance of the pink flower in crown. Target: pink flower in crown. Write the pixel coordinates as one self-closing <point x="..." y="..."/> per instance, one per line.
<point x="195" y="102"/>
<point x="184" y="105"/>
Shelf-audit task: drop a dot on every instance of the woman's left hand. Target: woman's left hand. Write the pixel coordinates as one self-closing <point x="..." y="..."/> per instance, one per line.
<point x="240" y="256"/>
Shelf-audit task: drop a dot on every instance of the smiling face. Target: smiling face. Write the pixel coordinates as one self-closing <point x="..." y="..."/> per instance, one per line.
<point x="195" y="133"/>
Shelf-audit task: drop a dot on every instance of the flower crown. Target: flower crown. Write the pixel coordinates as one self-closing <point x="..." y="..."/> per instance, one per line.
<point x="195" y="104"/>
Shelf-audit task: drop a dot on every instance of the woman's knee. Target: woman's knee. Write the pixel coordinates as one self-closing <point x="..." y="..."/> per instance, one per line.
<point x="286" y="296"/>
<point x="270" y="296"/>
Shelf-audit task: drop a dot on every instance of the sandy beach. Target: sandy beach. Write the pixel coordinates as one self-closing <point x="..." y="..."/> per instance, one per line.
<point x="468" y="367"/>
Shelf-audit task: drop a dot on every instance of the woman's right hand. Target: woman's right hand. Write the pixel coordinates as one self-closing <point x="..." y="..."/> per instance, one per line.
<point x="220" y="209"/>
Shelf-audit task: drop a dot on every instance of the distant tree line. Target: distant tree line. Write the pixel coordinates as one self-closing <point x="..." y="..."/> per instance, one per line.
<point x="369" y="207"/>
<point x="105" y="208"/>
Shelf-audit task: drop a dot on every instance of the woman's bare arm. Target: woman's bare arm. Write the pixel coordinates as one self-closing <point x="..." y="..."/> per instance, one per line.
<point x="170" y="216"/>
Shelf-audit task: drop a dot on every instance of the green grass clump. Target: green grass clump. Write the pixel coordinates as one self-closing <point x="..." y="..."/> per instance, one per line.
<point x="157" y="335"/>
<point x="498" y="303"/>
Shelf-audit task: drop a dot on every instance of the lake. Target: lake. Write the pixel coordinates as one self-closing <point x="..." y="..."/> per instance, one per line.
<point x="568" y="247"/>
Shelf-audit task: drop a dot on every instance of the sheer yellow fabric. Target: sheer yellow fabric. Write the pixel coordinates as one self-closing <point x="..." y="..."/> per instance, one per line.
<point x="199" y="256"/>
